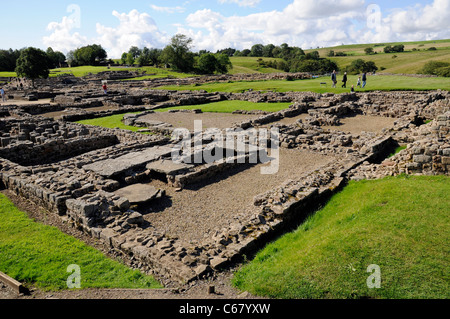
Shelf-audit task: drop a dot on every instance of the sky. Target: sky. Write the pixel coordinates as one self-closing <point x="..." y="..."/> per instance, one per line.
<point x="213" y="25"/>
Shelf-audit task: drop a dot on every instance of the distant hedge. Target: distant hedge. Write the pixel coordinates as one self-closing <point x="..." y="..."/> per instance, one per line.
<point x="436" y="68"/>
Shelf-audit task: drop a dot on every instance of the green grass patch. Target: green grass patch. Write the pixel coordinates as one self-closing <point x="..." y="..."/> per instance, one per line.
<point x="250" y="65"/>
<point x="400" y="224"/>
<point x="374" y="83"/>
<point x="231" y="106"/>
<point x="398" y="150"/>
<point x="113" y="121"/>
<point x="151" y="72"/>
<point x="8" y="74"/>
<point x="38" y="254"/>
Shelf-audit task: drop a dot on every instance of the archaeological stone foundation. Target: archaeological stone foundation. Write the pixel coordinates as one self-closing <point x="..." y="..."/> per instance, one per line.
<point x="122" y="187"/>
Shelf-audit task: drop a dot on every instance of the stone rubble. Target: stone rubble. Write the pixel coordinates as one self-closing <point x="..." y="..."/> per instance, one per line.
<point x="84" y="174"/>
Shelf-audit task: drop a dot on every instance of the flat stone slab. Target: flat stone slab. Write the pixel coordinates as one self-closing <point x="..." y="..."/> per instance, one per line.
<point x="110" y="167"/>
<point x="138" y="193"/>
<point x="168" y="167"/>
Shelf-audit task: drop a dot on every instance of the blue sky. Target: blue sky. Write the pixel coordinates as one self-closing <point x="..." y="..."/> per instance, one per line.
<point x="217" y="24"/>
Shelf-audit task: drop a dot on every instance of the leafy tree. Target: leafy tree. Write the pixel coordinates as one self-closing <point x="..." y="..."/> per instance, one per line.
<point x="124" y="57"/>
<point x="359" y="65"/>
<point x="178" y="54"/>
<point x="130" y="58"/>
<point x="229" y="51"/>
<point x="257" y="50"/>
<point x="8" y="59"/>
<point x="71" y="60"/>
<point x="135" y="52"/>
<point x="313" y="55"/>
<point x="436" y="68"/>
<point x="369" y="51"/>
<point x="207" y="63"/>
<point x="90" y="55"/>
<point x="56" y="58"/>
<point x="33" y="64"/>
<point x="223" y="63"/>
<point x="268" y="51"/>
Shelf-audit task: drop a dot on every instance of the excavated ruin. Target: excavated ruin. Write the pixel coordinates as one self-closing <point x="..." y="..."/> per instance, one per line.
<point x="184" y="220"/>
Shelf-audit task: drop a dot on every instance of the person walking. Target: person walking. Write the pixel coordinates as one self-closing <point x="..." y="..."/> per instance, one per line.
<point x="364" y="79"/>
<point x="3" y="94"/>
<point x="105" y="88"/>
<point x="344" y="80"/>
<point x="358" y="84"/>
<point x="333" y="78"/>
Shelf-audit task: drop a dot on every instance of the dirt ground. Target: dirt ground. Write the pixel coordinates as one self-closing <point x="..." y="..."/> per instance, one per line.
<point x="209" y="206"/>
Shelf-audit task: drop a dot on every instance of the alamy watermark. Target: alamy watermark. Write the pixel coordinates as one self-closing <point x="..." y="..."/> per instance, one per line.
<point x="75" y="17"/>
<point x="232" y="145"/>
<point x="374" y="280"/>
<point x="74" y="280"/>
<point x="373" y="13"/>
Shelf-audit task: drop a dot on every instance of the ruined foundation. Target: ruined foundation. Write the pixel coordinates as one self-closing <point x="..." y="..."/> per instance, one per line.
<point x="124" y="188"/>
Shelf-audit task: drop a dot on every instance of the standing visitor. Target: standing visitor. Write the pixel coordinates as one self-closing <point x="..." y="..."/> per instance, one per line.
<point x="105" y="88"/>
<point x="344" y="80"/>
<point x="3" y="94"/>
<point x="333" y="78"/>
<point x="364" y="79"/>
<point x="359" y="82"/>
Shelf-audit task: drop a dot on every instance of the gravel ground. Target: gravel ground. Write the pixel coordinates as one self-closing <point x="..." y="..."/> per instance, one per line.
<point x="202" y="208"/>
<point x="360" y="123"/>
<point x="210" y="120"/>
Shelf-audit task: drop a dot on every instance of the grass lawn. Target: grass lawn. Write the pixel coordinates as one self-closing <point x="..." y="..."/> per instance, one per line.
<point x="38" y="254"/>
<point x="113" y="121"/>
<point x="231" y="106"/>
<point x="152" y="72"/>
<point x="374" y="83"/>
<point x="250" y="65"/>
<point x="400" y="224"/>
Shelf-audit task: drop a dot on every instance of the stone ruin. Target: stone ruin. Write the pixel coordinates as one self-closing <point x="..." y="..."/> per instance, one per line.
<point x="97" y="179"/>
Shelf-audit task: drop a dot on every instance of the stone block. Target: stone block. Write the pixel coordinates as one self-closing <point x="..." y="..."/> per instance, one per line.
<point x="422" y="158"/>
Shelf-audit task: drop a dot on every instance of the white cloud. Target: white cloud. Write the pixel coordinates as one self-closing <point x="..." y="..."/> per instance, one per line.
<point x="302" y="23"/>
<point x="242" y="3"/>
<point x="134" y="29"/>
<point x="62" y="37"/>
<point x="311" y="24"/>
<point x="177" y="9"/>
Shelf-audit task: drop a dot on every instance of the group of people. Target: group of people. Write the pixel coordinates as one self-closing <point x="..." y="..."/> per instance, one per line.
<point x="362" y="81"/>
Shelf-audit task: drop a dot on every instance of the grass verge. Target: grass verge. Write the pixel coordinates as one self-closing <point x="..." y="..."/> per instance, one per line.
<point x="400" y="224"/>
<point x="39" y="254"/>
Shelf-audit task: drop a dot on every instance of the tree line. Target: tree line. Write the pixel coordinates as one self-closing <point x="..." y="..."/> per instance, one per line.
<point x="178" y="55"/>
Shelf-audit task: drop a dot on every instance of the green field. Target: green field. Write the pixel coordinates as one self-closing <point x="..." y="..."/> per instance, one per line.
<point x="400" y="224"/>
<point x="151" y="72"/>
<point x="408" y="62"/>
<point x="250" y="65"/>
<point x="39" y="255"/>
<point x="374" y="83"/>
